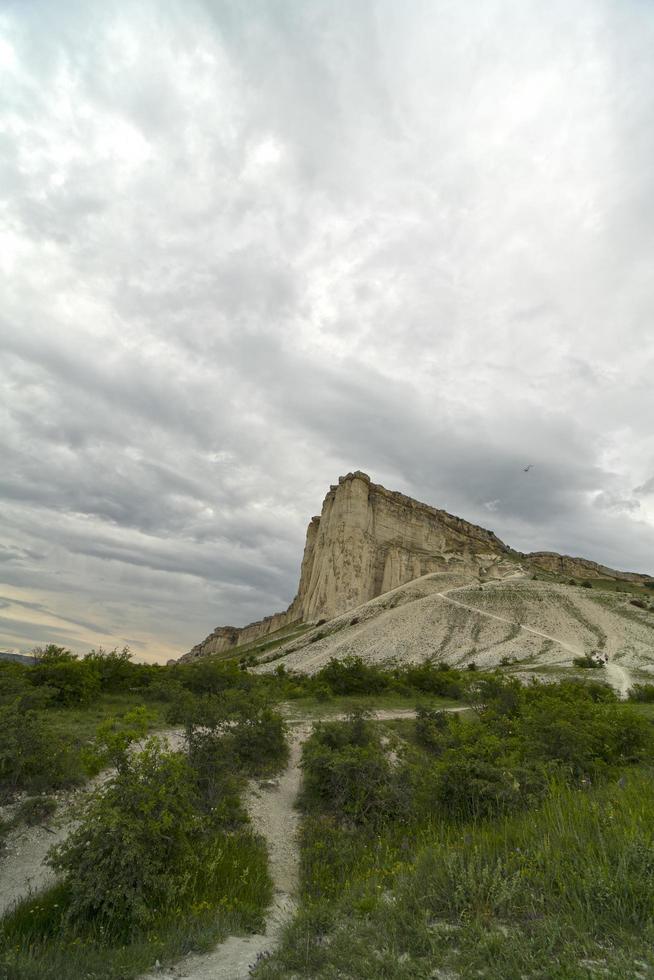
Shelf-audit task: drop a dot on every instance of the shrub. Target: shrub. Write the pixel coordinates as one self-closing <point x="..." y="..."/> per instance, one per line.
<point x="642" y="692"/>
<point x="348" y="773"/>
<point x="137" y="846"/>
<point x="31" y="756"/>
<point x="252" y="734"/>
<point x="37" y="809"/>
<point x="352" y="676"/>
<point x="114" y="670"/>
<point x="206" y="676"/>
<point x="258" y="740"/>
<point x="585" y="736"/>
<point x="589" y="661"/>
<point x="433" y="678"/>
<point x="72" y="681"/>
<point x="113" y="740"/>
<point x="214" y="781"/>
<point x="433" y="727"/>
<point x="15" y="685"/>
<point x="468" y="786"/>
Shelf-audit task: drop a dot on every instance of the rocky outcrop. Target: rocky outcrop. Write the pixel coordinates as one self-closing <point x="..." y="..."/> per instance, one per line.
<point x="369" y="540"/>
<point x="577" y="568"/>
<point x="366" y="541"/>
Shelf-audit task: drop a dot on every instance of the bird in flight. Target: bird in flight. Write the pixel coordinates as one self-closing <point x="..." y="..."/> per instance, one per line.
<point x="529" y="466"/>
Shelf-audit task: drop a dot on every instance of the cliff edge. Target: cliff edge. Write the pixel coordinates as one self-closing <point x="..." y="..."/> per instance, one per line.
<point x="366" y="541"/>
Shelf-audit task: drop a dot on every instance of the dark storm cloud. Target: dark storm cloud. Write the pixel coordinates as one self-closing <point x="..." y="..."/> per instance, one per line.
<point x="247" y="249"/>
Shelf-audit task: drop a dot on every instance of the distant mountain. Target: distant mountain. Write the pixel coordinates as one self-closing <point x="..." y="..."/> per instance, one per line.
<point x="19" y="658"/>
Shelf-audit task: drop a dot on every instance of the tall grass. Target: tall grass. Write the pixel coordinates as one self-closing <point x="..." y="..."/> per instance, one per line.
<point x="562" y="891"/>
<point x="230" y="896"/>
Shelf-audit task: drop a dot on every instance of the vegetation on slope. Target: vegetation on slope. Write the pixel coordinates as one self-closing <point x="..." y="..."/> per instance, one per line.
<point x="479" y="815"/>
<point x="516" y="845"/>
<point x="163" y="859"/>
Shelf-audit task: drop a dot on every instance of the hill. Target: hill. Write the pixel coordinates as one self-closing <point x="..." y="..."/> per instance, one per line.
<point x="368" y="542"/>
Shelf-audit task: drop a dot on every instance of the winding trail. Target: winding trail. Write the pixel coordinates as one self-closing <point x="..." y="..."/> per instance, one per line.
<point x="617" y="675"/>
<point x="272" y="811"/>
<point x="22" y="867"/>
<point x="271" y="806"/>
<point x="502" y="619"/>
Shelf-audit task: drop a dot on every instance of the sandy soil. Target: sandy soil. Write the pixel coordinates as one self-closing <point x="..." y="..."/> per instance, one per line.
<point x="22" y="867"/>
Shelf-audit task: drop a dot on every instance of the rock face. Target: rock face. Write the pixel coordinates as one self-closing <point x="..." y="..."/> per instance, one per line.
<point x="366" y="541"/>
<point x="565" y="565"/>
<point x="369" y="540"/>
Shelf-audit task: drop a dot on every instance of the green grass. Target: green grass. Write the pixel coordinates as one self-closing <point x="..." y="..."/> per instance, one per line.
<point x="406" y="727"/>
<point x="561" y="888"/>
<point x="644" y="708"/>
<point x="598" y="584"/>
<point x="563" y="891"/>
<point x="615" y="585"/>
<point x="262" y="645"/>
<point x="81" y="722"/>
<point x="38" y="944"/>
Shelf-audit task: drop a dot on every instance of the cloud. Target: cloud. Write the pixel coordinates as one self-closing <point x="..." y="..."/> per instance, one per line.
<point x="243" y="253"/>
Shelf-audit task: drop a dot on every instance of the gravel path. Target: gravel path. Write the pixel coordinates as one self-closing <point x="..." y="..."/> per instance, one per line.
<point x="273" y="814"/>
<point x="271" y="808"/>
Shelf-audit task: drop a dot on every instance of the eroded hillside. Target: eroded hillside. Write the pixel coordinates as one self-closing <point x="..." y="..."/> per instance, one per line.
<point x="531" y="625"/>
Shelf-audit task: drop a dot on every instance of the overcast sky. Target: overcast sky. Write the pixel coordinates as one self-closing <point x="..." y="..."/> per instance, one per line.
<point x="248" y="247"/>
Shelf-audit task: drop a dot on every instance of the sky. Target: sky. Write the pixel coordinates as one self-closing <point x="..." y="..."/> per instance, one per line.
<point x="246" y="248"/>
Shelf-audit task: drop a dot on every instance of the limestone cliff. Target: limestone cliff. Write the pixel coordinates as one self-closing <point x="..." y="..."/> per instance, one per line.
<point x="369" y="540"/>
<point x="366" y="541"/>
<point x="577" y="568"/>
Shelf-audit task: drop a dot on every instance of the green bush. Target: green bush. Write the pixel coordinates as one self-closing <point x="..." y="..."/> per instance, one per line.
<point x="642" y="692"/>
<point x="433" y="678"/>
<point x="588" y="662"/>
<point x="32" y="756"/>
<point x="434" y="728"/>
<point x="258" y="740"/>
<point x="469" y="787"/>
<point x="113" y="740"/>
<point x="347" y="772"/>
<point x="206" y="676"/>
<point x="114" y="669"/>
<point x="252" y="733"/>
<point x="72" y="681"/>
<point x="137" y="846"/>
<point x="352" y="676"/>
<point x="37" y="809"/>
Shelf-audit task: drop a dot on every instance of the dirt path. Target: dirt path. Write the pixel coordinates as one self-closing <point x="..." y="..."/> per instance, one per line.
<point x="273" y="814"/>
<point x="617" y="675"/>
<point x="502" y="619"/>
<point x="271" y="809"/>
